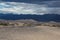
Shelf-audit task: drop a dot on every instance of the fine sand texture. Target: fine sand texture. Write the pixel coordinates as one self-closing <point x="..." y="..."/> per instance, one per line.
<point x="30" y="33"/>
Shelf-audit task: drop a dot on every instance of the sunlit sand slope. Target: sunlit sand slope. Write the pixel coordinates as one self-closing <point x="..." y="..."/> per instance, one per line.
<point x="30" y="33"/>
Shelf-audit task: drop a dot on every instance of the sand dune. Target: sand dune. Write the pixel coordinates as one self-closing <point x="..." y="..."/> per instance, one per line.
<point x="30" y="33"/>
<point x="29" y="30"/>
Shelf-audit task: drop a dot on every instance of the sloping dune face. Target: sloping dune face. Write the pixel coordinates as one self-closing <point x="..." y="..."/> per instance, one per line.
<point x="30" y="33"/>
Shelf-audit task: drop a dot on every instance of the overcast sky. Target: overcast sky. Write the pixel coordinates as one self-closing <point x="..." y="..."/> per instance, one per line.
<point x="38" y="7"/>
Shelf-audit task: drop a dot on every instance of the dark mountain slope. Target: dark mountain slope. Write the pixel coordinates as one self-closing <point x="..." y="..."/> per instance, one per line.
<point x="46" y="17"/>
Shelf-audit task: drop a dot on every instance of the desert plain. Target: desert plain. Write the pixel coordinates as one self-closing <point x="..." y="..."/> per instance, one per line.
<point x="29" y="30"/>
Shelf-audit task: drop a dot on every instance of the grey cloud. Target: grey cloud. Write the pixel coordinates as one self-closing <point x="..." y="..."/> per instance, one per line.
<point x="52" y="3"/>
<point x="26" y="8"/>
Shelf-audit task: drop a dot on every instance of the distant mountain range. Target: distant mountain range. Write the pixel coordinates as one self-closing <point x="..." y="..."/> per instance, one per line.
<point x="44" y="18"/>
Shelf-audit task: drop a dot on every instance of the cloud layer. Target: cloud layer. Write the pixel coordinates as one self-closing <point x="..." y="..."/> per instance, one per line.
<point x="26" y="8"/>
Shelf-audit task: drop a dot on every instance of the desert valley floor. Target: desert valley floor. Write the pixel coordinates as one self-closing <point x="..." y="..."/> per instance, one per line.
<point x="29" y="30"/>
<point x="30" y="33"/>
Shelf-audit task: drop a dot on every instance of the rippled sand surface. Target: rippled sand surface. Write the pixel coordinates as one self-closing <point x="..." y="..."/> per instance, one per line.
<point x="30" y="33"/>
